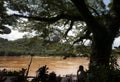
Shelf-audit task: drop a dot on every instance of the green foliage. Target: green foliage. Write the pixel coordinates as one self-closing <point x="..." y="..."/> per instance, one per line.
<point x="49" y="9"/>
<point x="42" y="8"/>
<point x="32" y="46"/>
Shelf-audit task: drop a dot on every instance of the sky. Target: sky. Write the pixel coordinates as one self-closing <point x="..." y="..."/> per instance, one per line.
<point x="13" y="35"/>
<point x="117" y="42"/>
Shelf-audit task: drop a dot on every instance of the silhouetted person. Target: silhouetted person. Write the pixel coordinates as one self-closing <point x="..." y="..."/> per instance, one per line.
<point x="81" y="74"/>
<point x="52" y="77"/>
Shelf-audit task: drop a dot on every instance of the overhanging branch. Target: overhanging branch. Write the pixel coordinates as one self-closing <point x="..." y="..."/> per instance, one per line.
<point x="51" y="19"/>
<point x="86" y="36"/>
<point x="70" y="28"/>
<point x="94" y="11"/>
<point x="91" y="22"/>
<point x="81" y="39"/>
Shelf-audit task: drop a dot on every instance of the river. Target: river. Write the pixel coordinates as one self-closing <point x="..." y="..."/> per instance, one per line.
<point x="57" y="64"/>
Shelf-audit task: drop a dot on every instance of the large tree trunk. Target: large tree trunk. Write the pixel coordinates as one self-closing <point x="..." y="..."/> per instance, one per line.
<point x="101" y="51"/>
<point x="99" y="59"/>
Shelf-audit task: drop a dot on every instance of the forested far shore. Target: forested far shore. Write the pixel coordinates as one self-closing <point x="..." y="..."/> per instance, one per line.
<point x="29" y="46"/>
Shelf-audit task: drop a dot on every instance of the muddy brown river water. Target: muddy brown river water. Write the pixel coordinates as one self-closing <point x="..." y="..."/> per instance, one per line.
<point x="56" y="64"/>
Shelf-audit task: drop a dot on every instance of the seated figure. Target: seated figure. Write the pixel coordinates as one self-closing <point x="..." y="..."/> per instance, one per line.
<point x="81" y="74"/>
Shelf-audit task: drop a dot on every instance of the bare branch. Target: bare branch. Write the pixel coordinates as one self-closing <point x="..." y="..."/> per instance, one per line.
<point x="70" y="28"/>
<point x="86" y="36"/>
<point x="66" y="22"/>
<point x="94" y="10"/>
<point x="81" y="39"/>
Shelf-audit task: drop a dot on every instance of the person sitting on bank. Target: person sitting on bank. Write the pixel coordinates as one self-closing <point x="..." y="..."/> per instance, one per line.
<point x="81" y="74"/>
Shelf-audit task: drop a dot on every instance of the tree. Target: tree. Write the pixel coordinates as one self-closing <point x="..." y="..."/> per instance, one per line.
<point x="103" y="31"/>
<point x="95" y="22"/>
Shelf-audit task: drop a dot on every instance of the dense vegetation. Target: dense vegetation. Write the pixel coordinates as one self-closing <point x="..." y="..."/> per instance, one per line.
<point x="30" y="46"/>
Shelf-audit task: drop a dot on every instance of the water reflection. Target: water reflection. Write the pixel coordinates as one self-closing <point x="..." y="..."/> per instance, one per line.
<point x="56" y="64"/>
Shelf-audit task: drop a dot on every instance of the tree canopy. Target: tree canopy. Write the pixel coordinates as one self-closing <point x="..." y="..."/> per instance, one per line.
<point x="62" y="18"/>
<point x="59" y="17"/>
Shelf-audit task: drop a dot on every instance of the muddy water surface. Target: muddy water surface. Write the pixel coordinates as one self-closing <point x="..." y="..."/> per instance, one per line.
<point x="56" y="64"/>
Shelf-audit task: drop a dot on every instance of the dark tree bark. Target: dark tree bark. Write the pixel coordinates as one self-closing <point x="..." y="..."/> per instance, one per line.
<point x="101" y="50"/>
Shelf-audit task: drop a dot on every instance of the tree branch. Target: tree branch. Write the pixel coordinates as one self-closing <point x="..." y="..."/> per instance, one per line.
<point x="51" y="19"/>
<point x="66" y="22"/>
<point x="116" y="7"/>
<point x="71" y="25"/>
<point x="87" y="16"/>
<point x="94" y="11"/>
<point x="86" y="36"/>
<point x="115" y="16"/>
<point x="5" y="30"/>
